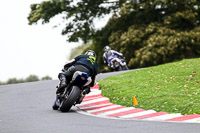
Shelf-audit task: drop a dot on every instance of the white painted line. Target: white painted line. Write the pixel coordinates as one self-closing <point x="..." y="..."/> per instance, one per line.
<point x="94" y="106"/>
<point x="95" y="100"/>
<point x="86" y="113"/>
<point x="91" y="98"/>
<point x="114" y="111"/>
<point x="104" y="108"/>
<point x="164" y="117"/>
<point x="95" y="92"/>
<point x="196" y="120"/>
<point x="138" y="114"/>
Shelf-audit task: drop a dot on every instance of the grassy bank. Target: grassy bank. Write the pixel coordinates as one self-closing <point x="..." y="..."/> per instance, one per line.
<point x="172" y="87"/>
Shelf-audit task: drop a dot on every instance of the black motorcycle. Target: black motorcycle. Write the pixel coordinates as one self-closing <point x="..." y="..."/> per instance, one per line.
<point x="74" y="93"/>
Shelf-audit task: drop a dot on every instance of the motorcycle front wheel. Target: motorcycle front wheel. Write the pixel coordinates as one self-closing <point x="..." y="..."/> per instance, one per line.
<point x="125" y="67"/>
<point x="70" y="100"/>
<point x="119" y="68"/>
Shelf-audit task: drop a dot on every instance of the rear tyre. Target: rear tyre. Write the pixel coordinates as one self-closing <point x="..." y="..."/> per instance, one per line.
<point x="70" y="100"/>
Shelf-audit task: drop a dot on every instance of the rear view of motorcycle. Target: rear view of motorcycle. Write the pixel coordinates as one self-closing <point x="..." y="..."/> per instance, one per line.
<point x="74" y="93"/>
<point x="118" y="64"/>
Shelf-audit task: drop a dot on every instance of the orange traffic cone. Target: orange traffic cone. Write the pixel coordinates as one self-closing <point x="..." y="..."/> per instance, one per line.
<point x="135" y="101"/>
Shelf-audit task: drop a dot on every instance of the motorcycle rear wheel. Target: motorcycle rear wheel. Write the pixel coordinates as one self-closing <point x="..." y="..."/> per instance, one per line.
<point x="70" y="100"/>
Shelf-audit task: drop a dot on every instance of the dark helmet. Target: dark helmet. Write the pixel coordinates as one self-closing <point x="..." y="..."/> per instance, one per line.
<point x="91" y="53"/>
<point x="107" y="48"/>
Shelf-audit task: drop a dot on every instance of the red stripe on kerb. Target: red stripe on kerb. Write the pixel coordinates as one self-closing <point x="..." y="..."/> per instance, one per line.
<point x="95" y="87"/>
<point x="98" y="107"/>
<point x="102" y="111"/>
<point x="127" y="112"/>
<point x="86" y="97"/>
<point x="95" y="103"/>
<point x="183" y="118"/>
<point x="150" y="115"/>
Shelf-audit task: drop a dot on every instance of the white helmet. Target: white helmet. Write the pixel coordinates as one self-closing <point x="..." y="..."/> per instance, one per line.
<point x="107" y="48"/>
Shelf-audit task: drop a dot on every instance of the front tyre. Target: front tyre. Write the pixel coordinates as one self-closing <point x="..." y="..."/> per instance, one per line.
<point x="126" y="67"/>
<point x="70" y="100"/>
<point x="119" y="68"/>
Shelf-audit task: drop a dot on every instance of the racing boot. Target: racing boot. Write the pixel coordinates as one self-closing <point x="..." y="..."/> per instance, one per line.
<point x="56" y="104"/>
<point x="62" y="84"/>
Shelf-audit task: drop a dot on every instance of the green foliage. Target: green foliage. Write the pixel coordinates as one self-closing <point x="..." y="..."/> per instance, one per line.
<point x="14" y="80"/>
<point x="30" y="78"/>
<point x="79" y="15"/>
<point x="147" y="32"/>
<point x="78" y="50"/>
<point x="45" y="11"/>
<point x="172" y="87"/>
<point x="46" y="78"/>
<point x="2" y="83"/>
<point x="167" y="45"/>
<point x="154" y="32"/>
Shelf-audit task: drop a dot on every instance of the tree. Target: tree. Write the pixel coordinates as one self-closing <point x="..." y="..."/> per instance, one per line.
<point x="14" y="81"/>
<point x="2" y="83"/>
<point x="147" y="32"/>
<point x="152" y="32"/>
<point x="46" y="78"/>
<point x="32" y="78"/>
<point x="79" y="15"/>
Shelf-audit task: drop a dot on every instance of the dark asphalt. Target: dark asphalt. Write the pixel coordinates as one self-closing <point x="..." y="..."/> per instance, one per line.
<point x="26" y="108"/>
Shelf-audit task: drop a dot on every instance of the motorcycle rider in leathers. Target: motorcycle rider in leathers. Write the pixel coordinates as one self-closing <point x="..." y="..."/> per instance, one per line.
<point x="84" y="63"/>
<point x="110" y="54"/>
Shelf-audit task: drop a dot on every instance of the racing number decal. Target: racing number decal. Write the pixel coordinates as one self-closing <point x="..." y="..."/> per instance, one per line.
<point x="91" y="59"/>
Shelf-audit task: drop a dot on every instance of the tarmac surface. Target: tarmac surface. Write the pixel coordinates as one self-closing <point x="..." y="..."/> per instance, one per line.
<point x="27" y="108"/>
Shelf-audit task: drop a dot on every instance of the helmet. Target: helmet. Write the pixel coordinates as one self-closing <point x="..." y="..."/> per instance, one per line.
<point x="91" y="53"/>
<point x="107" y="48"/>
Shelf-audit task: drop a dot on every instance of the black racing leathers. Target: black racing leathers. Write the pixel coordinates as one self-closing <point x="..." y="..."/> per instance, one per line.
<point x="84" y="63"/>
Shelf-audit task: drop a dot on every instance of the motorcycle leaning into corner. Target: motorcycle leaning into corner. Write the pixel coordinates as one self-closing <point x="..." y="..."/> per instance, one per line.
<point x="116" y="63"/>
<point x="74" y="93"/>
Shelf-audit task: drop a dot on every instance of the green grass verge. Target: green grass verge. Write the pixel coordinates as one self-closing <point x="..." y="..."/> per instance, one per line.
<point x="172" y="87"/>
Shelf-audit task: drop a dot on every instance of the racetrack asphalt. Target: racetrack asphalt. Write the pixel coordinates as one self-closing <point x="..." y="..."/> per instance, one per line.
<point x="27" y="108"/>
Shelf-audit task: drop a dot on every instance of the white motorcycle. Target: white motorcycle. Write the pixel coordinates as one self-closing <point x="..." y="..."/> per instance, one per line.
<point x="117" y="64"/>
